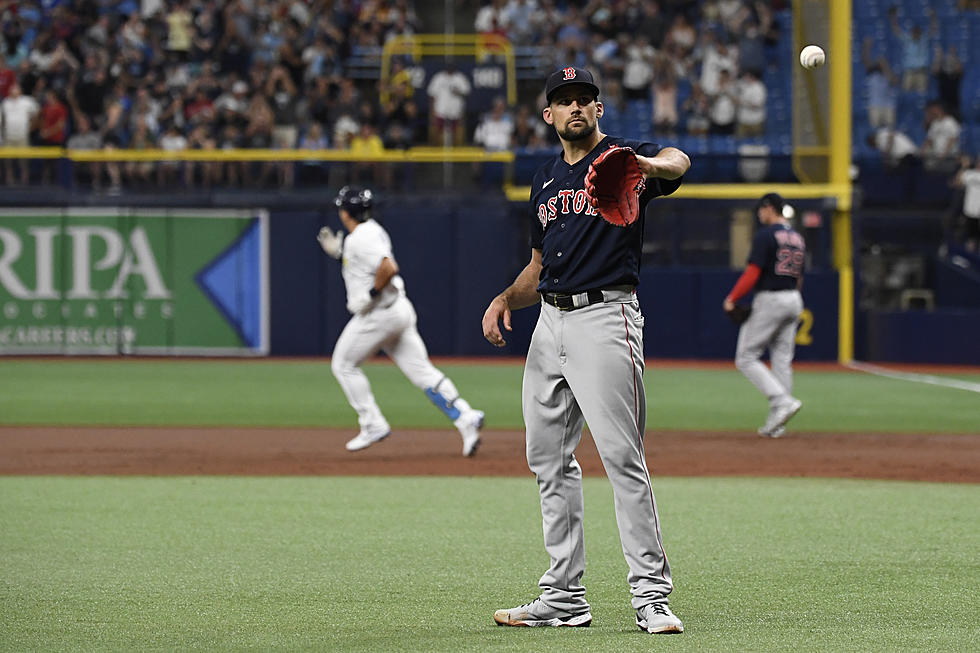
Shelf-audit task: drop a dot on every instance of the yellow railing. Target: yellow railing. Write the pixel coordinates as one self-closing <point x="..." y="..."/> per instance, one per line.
<point x="415" y="154"/>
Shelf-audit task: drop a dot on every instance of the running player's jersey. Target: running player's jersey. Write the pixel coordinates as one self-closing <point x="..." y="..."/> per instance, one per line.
<point x="364" y="249"/>
<point x="780" y="253"/>
<point x="579" y="250"/>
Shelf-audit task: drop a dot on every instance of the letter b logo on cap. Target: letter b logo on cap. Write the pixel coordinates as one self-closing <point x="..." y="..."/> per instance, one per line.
<point x="569" y="73"/>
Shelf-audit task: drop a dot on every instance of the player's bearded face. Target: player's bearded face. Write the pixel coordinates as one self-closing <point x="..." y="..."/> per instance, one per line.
<point x="575" y="116"/>
<point x="577" y="127"/>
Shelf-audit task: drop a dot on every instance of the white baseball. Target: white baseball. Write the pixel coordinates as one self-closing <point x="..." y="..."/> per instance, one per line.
<point x="812" y="56"/>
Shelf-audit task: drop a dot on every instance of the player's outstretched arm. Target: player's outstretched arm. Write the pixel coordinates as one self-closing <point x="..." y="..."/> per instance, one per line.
<point x="523" y="292"/>
<point x="668" y="163"/>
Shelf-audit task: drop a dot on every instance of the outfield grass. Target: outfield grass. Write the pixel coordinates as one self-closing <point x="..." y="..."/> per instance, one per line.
<point x="420" y="564"/>
<point x="304" y="393"/>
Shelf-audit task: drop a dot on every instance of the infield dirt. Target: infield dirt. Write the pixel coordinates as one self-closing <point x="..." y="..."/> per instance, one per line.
<point x="255" y="451"/>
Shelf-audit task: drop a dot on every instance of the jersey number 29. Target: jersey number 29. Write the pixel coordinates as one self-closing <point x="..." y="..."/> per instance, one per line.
<point x="789" y="262"/>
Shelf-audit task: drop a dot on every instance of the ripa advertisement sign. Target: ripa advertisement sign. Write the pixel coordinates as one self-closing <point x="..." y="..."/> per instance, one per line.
<point x="120" y="281"/>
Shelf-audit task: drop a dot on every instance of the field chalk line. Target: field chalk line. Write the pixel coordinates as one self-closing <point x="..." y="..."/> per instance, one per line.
<point x="916" y="378"/>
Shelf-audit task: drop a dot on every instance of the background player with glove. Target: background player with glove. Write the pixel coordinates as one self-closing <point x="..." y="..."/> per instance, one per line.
<point x="383" y="319"/>
<point x="585" y="362"/>
<point x="775" y="271"/>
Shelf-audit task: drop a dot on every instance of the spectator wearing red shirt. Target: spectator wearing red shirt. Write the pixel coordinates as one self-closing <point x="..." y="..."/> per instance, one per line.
<point x="54" y="120"/>
<point x="54" y="129"/>
<point x="7" y="77"/>
<point x="201" y="109"/>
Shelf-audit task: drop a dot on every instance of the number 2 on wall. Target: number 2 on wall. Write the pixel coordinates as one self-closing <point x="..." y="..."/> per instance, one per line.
<point x="803" y="335"/>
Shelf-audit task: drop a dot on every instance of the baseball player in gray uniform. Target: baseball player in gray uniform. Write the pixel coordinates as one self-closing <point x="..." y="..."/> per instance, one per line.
<point x="775" y="271"/>
<point x="383" y="319"/>
<point x="585" y="362"/>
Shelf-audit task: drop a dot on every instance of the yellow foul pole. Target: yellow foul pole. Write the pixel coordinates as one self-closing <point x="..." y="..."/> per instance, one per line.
<point x="839" y="58"/>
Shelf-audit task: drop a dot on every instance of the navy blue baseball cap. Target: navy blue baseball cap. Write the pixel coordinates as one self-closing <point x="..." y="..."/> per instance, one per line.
<point x="775" y="200"/>
<point x="567" y="76"/>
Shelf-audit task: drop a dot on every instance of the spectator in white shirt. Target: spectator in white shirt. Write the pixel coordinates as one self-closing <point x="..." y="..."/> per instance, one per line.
<point x="723" y="106"/>
<point x="236" y="99"/>
<point x="941" y="148"/>
<point x="968" y="178"/>
<point x="491" y="17"/>
<point x="18" y="113"/>
<point x="729" y="10"/>
<point x="172" y="141"/>
<point x="638" y="69"/>
<point x="750" y="97"/>
<point x="716" y="57"/>
<point x="447" y="93"/>
<point x="896" y="147"/>
<point x="682" y="34"/>
<point x="496" y="130"/>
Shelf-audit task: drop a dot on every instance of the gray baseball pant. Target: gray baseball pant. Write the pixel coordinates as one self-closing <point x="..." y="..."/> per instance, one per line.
<point x="586" y="366"/>
<point x="772" y="325"/>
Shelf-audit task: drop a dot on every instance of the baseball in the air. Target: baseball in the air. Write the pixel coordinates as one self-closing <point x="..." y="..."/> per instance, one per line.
<point x="812" y="56"/>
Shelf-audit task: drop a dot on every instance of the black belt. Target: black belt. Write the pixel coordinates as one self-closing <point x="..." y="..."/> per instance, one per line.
<point x="568" y="303"/>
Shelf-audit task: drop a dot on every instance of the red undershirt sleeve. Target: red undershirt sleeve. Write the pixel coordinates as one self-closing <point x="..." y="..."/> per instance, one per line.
<point x="745" y="282"/>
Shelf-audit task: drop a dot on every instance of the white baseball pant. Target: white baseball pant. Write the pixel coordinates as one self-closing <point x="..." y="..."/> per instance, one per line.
<point x="392" y="329"/>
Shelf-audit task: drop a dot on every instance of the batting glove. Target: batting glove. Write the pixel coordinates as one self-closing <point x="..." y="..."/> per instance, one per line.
<point x="332" y="242"/>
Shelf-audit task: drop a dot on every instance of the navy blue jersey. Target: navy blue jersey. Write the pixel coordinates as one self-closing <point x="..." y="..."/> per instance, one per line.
<point x="579" y="250"/>
<point x="779" y="252"/>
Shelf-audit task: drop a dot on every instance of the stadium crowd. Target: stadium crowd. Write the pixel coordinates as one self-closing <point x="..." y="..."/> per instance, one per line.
<point x="176" y="74"/>
<point x="222" y="74"/>
<point x="716" y="51"/>
<point x="885" y="89"/>
<point x="206" y="74"/>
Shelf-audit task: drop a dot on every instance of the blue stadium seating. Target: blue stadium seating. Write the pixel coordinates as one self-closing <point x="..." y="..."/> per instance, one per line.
<point x="957" y="29"/>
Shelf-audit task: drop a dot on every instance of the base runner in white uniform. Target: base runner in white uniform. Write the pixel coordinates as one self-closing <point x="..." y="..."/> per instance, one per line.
<point x="383" y="320"/>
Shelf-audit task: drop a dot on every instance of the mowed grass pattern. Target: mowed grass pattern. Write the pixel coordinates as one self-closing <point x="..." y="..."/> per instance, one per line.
<point x="304" y="393"/>
<point x="420" y="564"/>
